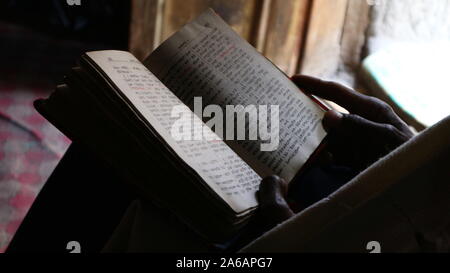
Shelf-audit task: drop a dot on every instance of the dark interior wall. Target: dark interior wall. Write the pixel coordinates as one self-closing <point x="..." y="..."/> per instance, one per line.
<point x="100" y="21"/>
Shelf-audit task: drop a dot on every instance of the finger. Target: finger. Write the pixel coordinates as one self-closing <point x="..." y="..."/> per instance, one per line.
<point x="272" y="190"/>
<point x="332" y="119"/>
<point x="355" y="125"/>
<point x="355" y="102"/>
<point x="273" y="208"/>
<point x="344" y="96"/>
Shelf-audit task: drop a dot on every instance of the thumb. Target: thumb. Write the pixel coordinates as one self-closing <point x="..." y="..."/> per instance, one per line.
<point x="272" y="190"/>
<point x="273" y="206"/>
<point x="332" y="120"/>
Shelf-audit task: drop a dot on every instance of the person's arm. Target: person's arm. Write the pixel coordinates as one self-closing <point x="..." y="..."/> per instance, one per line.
<point x="370" y="131"/>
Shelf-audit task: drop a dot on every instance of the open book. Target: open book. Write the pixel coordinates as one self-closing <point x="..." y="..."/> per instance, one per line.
<point x="153" y="123"/>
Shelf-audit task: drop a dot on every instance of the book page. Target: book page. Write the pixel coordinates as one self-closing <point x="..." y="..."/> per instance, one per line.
<point x="218" y="165"/>
<point x="207" y="59"/>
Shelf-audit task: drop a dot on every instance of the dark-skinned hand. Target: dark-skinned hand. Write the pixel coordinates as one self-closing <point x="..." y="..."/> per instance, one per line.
<point x="370" y="131"/>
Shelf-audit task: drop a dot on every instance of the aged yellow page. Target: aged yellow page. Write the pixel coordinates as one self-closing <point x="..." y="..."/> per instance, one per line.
<point x="207" y="59"/>
<point x="220" y="167"/>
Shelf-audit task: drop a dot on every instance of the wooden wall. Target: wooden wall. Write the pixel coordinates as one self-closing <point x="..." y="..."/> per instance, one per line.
<point x="335" y="40"/>
<point x="315" y="37"/>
